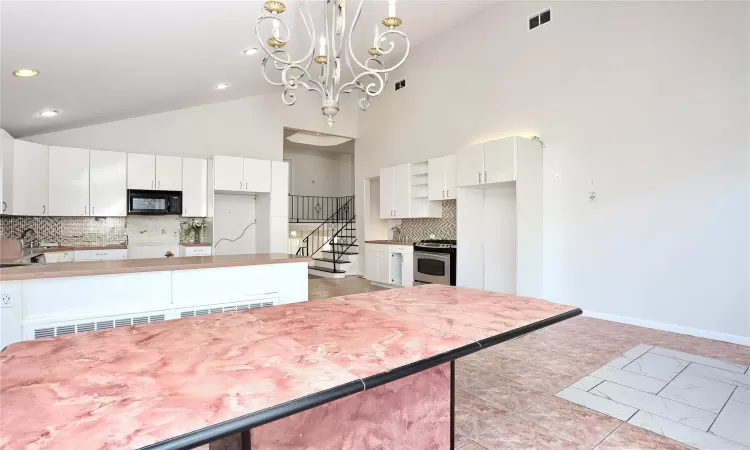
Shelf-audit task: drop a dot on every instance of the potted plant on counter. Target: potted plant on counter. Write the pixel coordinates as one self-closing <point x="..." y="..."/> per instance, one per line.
<point x="195" y="227"/>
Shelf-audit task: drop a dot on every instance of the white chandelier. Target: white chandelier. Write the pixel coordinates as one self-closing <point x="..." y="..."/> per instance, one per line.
<point x="335" y="41"/>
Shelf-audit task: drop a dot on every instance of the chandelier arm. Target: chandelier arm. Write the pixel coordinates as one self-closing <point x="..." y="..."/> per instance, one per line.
<point x="367" y="89"/>
<point x="341" y="29"/>
<point x="292" y="82"/>
<point x="377" y="40"/>
<point x="269" y="52"/>
<point x="310" y="26"/>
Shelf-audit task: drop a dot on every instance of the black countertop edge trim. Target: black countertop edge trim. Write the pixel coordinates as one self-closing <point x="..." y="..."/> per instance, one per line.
<point x="418" y="366"/>
<point x="230" y="427"/>
<point x="243" y="423"/>
<point x="494" y="340"/>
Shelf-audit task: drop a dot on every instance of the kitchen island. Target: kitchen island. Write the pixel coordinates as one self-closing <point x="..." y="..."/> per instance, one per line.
<point x="372" y="370"/>
<point x="71" y="297"/>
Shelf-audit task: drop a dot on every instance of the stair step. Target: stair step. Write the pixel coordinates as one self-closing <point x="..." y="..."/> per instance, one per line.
<point x="330" y="260"/>
<point x="348" y="245"/>
<point x="326" y="269"/>
<point x="341" y="253"/>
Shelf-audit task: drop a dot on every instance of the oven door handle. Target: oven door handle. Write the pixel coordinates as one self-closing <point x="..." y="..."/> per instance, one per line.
<point x="432" y="255"/>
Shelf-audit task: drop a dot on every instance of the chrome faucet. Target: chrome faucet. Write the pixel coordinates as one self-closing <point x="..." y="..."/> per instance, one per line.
<point x="396" y="231"/>
<point x="34" y="241"/>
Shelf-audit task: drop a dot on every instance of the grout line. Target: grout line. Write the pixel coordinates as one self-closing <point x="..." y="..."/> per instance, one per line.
<point x="673" y="378"/>
<point x="610" y="433"/>
<point x="722" y="409"/>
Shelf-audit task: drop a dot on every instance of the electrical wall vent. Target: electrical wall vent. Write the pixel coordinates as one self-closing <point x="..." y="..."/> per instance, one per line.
<point x="73" y="328"/>
<point x="540" y="19"/>
<point x="400" y="84"/>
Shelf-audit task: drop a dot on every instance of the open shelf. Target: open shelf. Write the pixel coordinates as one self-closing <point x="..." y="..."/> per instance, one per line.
<point x="419" y="169"/>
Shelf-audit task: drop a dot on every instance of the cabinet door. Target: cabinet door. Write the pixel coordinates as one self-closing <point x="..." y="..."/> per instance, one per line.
<point x="279" y="189"/>
<point x="450" y="177"/>
<point x="371" y="265"/>
<point x="500" y="160"/>
<point x="30" y="179"/>
<point x="384" y="267"/>
<point x="257" y="175"/>
<point x="470" y="165"/>
<point x="194" y="187"/>
<point x="279" y="235"/>
<point x="169" y="173"/>
<point x="386" y="193"/>
<point x="401" y="190"/>
<point x="68" y="181"/>
<point x="228" y="173"/>
<point x="6" y="160"/>
<point x="109" y="189"/>
<point x="436" y="178"/>
<point x="141" y="171"/>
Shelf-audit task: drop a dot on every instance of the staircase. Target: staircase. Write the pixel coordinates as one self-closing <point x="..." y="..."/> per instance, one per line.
<point x="333" y="244"/>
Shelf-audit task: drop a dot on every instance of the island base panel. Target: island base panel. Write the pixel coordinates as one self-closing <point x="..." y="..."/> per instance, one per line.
<point x="412" y="412"/>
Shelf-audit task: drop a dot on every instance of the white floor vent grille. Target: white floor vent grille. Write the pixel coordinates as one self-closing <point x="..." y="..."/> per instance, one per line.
<point x="62" y="330"/>
<point x="205" y="311"/>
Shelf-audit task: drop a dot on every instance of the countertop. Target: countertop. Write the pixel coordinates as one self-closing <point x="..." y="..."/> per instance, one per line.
<point x="87" y="268"/>
<point x="196" y="377"/>
<point x="195" y="244"/>
<point x="90" y="247"/>
<point x="386" y="242"/>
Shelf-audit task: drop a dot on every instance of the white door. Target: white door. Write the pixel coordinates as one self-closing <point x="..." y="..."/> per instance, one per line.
<point x="384" y="268"/>
<point x="371" y="265"/>
<point x="257" y="175"/>
<point x="6" y="161"/>
<point x="470" y="165"/>
<point x="436" y="178"/>
<point x="500" y="160"/>
<point x="108" y="184"/>
<point x="194" y="187"/>
<point x="450" y="177"/>
<point x="386" y="193"/>
<point x="279" y="189"/>
<point x="228" y="173"/>
<point x="30" y="179"/>
<point x="169" y="173"/>
<point x="401" y="190"/>
<point x="68" y="181"/>
<point x="141" y="171"/>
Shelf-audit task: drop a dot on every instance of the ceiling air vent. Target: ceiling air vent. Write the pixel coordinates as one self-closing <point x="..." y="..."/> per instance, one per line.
<point x="540" y="19"/>
<point x="400" y="84"/>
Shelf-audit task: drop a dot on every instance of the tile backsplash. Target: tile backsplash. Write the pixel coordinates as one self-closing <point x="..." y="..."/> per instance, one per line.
<point x="68" y="231"/>
<point x="444" y="228"/>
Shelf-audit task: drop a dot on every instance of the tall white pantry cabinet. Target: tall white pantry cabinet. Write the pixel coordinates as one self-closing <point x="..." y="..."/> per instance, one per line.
<point x="499" y="217"/>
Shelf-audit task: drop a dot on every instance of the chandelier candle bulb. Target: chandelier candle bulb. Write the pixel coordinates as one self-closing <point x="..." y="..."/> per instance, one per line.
<point x="391" y="8"/>
<point x="276" y="24"/>
<point x="322" y="51"/>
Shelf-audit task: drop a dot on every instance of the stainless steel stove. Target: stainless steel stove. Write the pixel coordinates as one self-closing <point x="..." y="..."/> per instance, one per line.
<point x="435" y="262"/>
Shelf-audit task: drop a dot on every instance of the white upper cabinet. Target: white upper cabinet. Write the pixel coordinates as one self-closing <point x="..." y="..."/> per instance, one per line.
<point x="386" y="193"/>
<point x="194" y="187"/>
<point x="436" y="178"/>
<point x="168" y="173"/>
<point x="470" y="165"/>
<point x="68" y="181"/>
<point x="441" y="178"/>
<point x="141" y="171"/>
<point x="6" y="160"/>
<point x="257" y="175"/>
<point x="228" y="173"/>
<point x="108" y="185"/>
<point x="450" y="177"/>
<point x="500" y="160"/>
<point x="30" y="179"/>
<point x="279" y="189"/>
<point x="401" y="191"/>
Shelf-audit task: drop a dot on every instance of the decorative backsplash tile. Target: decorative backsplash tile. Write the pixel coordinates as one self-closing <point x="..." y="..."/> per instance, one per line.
<point x="68" y="231"/>
<point x="444" y="228"/>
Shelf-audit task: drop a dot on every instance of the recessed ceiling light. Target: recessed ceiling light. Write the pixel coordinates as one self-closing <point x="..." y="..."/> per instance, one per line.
<point x="26" y="72"/>
<point x="49" y="113"/>
<point x="250" y="51"/>
<point x="222" y="86"/>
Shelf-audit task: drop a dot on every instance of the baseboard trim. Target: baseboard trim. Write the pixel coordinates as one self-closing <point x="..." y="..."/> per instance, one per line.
<point x="733" y="338"/>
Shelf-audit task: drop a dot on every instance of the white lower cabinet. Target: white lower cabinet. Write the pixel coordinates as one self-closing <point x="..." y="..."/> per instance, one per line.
<point x="389" y="264"/>
<point x="58" y="257"/>
<point x="203" y="250"/>
<point x="100" y="255"/>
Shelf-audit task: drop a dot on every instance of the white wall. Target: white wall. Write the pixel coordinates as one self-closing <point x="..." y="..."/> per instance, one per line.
<point x="648" y="99"/>
<point x="320" y="173"/>
<point x="233" y="213"/>
<point x="251" y="127"/>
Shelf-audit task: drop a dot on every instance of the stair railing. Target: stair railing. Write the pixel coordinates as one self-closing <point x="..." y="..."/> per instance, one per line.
<point x="324" y="233"/>
<point x="309" y="208"/>
<point x="347" y="234"/>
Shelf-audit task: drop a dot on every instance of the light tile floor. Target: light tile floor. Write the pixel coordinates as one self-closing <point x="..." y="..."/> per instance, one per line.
<point x="505" y="395"/>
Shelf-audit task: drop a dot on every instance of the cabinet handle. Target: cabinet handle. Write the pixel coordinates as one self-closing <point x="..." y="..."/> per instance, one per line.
<point x="245" y="186"/>
<point x="152" y="184"/>
<point x="240" y="184"/>
<point x="480" y="177"/>
<point x="5" y="206"/>
<point x="485" y="176"/>
<point x="159" y="184"/>
<point x="44" y="209"/>
<point x="92" y="210"/>
<point x="85" y="210"/>
<point x="448" y="193"/>
<point x="443" y="194"/>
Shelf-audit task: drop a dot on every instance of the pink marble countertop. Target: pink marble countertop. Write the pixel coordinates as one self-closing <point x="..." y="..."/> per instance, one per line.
<point x="134" y="386"/>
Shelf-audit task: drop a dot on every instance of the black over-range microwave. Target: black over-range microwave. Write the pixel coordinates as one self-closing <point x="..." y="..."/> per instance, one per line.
<point x="154" y="202"/>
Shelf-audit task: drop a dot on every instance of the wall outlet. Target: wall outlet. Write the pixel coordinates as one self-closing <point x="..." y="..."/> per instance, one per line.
<point x="7" y="299"/>
<point x="592" y="197"/>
